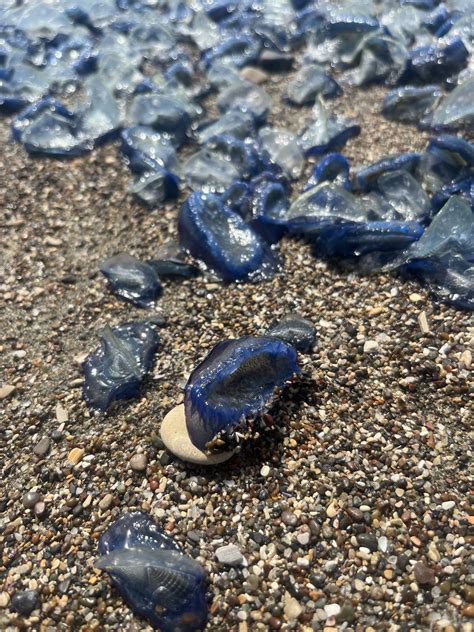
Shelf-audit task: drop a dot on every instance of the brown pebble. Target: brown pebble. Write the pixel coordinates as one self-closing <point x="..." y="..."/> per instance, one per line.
<point x="424" y="575"/>
<point x="75" y="455"/>
<point x="468" y="611"/>
<point x="6" y="390"/>
<point x="274" y="623"/>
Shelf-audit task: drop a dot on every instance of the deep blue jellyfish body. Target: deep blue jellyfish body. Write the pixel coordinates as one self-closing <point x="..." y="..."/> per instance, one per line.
<point x="296" y="331"/>
<point x="131" y="279"/>
<point x="233" y="384"/>
<point x="116" y="369"/>
<point x="221" y="239"/>
<point x="152" y="574"/>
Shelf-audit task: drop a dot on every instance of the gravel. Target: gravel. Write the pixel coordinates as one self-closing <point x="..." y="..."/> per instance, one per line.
<point x="368" y="447"/>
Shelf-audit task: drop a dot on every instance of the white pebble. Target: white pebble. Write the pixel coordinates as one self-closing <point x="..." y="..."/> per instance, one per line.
<point x="265" y="471"/>
<point x="449" y="504"/>
<point x="332" y="609"/>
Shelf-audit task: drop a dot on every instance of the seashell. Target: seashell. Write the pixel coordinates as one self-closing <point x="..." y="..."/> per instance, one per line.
<point x="235" y="383"/>
<point x="131" y="279"/>
<point x="116" y="369"/>
<point x="153" y="576"/>
<point x="220" y="238"/>
<point x="297" y="331"/>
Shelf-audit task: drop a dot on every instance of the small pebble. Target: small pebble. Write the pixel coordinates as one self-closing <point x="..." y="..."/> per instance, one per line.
<point x="30" y="499"/>
<point x="41" y="449"/>
<point x="332" y="610"/>
<point x="106" y="501"/>
<point x="424" y="575"/>
<point x="448" y="505"/>
<point x="138" y="462"/>
<point x="265" y="471"/>
<point x="75" y="455"/>
<point x="6" y="390"/>
<point x="292" y="608"/>
<point x="24" y="602"/>
<point x="229" y="554"/>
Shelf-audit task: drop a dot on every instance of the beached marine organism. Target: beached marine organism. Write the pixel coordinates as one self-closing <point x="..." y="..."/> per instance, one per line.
<point x="326" y="132"/>
<point x="283" y="149"/>
<point x="131" y="279"/>
<point x="155" y="578"/>
<point x="309" y="82"/>
<point x="233" y="385"/>
<point x="296" y="331"/>
<point x="220" y="238"/>
<point x="116" y="369"/>
<point x="411" y="104"/>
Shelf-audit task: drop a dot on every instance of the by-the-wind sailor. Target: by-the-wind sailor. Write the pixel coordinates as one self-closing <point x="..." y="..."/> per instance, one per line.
<point x="268" y="206"/>
<point x="366" y="177"/>
<point x="456" y="109"/>
<point x="153" y="575"/>
<point x="221" y="239"/>
<point x="47" y="127"/>
<point x="163" y="114"/>
<point x="283" y="148"/>
<point x="326" y="132"/>
<point x="131" y="279"/>
<point x="444" y="256"/>
<point x="327" y="203"/>
<point x="147" y="150"/>
<point x="309" y="82"/>
<point x="357" y="239"/>
<point x="209" y="171"/>
<point x="410" y="104"/>
<point x="234" y="384"/>
<point x="435" y="63"/>
<point x="153" y="187"/>
<point x="247" y="97"/>
<point x="296" y="331"/>
<point x="116" y="369"/>
<point x="233" y="123"/>
<point x="405" y="196"/>
<point x="332" y="168"/>
<point x="170" y="261"/>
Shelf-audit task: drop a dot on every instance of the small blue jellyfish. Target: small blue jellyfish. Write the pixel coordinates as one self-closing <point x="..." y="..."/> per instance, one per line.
<point x="233" y="385"/>
<point x="153" y="576"/>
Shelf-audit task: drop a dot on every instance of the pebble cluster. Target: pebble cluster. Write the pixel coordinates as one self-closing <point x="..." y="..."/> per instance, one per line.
<point x="350" y="513"/>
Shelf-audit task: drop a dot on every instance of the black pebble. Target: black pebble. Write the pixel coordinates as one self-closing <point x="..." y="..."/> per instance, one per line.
<point x="24" y="602"/>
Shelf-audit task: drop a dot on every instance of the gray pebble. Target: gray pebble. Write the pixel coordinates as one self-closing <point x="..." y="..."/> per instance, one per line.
<point x="229" y="554"/>
<point x="41" y="449"/>
<point x="30" y="499"/>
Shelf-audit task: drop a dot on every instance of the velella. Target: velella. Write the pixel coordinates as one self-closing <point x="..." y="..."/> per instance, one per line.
<point x="154" y="577"/>
<point x="116" y="369"/>
<point x="220" y="238"/>
<point x="234" y="384"/>
<point x="297" y="331"/>
<point x="131" y="279"/>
